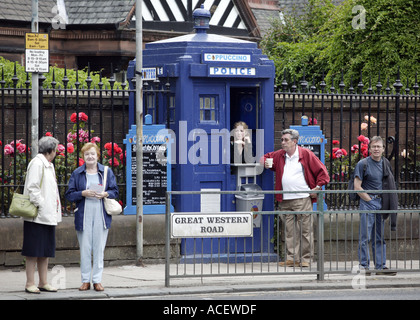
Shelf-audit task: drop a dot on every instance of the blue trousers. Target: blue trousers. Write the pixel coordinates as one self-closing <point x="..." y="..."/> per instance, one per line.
<point x="371" y="230"/>
<point x="92" y="241"/>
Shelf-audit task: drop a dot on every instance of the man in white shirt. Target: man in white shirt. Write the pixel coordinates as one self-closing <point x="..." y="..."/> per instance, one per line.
<point x="297" y="169"/>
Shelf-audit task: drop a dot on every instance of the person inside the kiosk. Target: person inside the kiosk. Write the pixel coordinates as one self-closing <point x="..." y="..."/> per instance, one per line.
<point x="300" y="170"/>
<point x="240" y="144"/>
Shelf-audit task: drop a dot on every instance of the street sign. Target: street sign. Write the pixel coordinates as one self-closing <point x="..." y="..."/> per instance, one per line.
<point x="148" y="74"/>
<point x="36" y="52"/>
<point x="211" y="225"/>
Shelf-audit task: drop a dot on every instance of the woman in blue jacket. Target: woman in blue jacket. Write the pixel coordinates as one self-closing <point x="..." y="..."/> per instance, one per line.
<point x="90" y="218"/>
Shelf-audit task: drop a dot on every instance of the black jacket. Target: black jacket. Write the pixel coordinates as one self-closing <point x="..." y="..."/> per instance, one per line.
<point x="389" y="200"/>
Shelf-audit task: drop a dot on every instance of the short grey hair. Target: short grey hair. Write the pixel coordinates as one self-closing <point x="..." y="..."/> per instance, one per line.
<point x="376" y="139"/>
<point x="47" y="144"/>
<point x="293" y="133"/>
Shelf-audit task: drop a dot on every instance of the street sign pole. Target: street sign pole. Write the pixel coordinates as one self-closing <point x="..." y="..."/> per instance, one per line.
<point x="35" y="89"/>
<point x="139" y="132"/>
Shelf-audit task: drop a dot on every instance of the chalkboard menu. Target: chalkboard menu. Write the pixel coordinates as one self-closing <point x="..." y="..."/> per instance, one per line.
<point x="156" y="169"/>
<point x="154" y="174"/>
<point x="315" y="148"/>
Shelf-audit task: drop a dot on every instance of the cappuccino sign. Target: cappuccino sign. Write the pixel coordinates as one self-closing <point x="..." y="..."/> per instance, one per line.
<point x="220" y="57"/>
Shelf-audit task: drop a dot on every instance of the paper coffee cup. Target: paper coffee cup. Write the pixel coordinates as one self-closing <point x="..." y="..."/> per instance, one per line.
<point x="269" y="162"/>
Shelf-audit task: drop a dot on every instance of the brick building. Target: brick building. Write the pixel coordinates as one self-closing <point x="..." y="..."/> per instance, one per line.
<point x="102" y="33"/>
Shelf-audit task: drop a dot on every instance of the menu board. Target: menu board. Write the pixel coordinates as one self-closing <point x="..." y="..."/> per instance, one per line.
<point x="154" y="174"/>
<point x="315" y="148"/>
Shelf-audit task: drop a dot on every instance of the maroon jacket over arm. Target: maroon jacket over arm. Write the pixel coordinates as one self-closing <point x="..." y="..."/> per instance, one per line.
<point x="314" y="170"/>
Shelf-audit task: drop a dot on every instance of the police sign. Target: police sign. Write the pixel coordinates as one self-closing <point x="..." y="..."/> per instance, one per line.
<point x="232" y="71"/>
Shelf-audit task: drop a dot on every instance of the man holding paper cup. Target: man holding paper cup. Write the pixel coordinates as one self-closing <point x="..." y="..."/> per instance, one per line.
<point x="297" y="169"/>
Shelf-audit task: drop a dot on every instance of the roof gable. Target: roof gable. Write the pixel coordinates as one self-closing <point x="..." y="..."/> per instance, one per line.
<point x="299" y="7"/>
<point x="224" y="13"/>
<point x="21" y="10"/>
<point x="229" y="17"/>
<point x="98" y="11"/>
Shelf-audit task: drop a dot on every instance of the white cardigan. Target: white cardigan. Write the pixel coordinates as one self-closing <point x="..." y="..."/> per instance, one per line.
<point x="45" y="197"/>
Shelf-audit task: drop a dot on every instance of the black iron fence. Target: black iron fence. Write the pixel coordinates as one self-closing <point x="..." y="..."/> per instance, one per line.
<point x="74" y="115"/>
<point x="348" y="117"/>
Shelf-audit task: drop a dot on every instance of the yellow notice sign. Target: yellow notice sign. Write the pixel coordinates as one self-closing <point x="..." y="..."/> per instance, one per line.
<point x="37" y="55"/>
<point x="37" y="41"/>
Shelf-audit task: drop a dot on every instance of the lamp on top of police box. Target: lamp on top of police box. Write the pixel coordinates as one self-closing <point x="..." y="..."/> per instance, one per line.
<point x="201" y="19"/>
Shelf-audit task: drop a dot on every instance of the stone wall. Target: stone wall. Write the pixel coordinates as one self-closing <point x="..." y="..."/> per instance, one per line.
<point x="340" y="240"/>
<point x="120" y="249"/>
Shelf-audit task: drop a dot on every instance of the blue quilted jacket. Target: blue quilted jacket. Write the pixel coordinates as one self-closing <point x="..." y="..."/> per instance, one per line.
<point x="77" y="184"/>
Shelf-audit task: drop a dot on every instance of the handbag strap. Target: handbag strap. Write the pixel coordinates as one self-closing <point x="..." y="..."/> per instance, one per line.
<point x="42" y="177"/>
<point x="105" y="176"/>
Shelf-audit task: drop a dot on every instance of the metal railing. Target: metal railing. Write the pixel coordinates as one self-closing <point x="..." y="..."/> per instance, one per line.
<point x="347" y="111"/>
<point x="340" y="115"/>
<point x="103" y="117"/>
<point x="335" y="245"/>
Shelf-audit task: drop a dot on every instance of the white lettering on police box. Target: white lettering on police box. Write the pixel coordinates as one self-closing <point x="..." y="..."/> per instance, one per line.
<point x="232" y="71"/>
<point x="220" y="57"/>
<point x="148" y="74"/>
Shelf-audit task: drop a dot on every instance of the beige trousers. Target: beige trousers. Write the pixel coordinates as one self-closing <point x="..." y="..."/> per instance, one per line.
<point x="299" y="235"/>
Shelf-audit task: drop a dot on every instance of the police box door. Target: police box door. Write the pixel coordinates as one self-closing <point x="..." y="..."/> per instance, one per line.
<point x="208" y="155"/>
<point x="245" y="106"/>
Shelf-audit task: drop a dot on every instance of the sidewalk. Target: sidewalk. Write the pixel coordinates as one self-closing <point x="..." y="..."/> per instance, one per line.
<point x="149" y="281"/>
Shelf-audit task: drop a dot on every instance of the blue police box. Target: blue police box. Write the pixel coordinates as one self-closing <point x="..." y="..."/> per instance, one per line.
<point x="215" y="81"/>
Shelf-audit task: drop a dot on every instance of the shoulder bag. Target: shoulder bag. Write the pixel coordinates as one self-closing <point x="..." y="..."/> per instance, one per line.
<point x="112" y="207"/>
<point x="21" y="206"/>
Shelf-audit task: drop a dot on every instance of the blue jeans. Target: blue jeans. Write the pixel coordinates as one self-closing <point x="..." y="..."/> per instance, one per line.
<point x="371" y="230"/>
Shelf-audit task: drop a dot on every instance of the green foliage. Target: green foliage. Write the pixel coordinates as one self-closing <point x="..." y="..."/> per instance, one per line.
<point x="296" y="59"/>
<point x="55" y="74"/>
<point x="291" y="44"/>
<point x="334" y="39"/>
<point x="388" y="41"/>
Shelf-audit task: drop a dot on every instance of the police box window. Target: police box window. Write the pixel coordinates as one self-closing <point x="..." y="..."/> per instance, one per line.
<point x="172" y="108"/>
<point x="150" y="106"/>
<point x="208" y="108"/>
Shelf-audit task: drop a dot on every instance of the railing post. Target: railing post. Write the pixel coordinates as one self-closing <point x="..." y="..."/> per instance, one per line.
<point x="320" y="254"/>
<point x="168" y="238"/>
<point x="397" y="85"/>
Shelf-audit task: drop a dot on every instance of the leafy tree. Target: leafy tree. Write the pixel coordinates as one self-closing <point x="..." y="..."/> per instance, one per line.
<point x="356" y="37"/>
<point x="291" y="42"/>
<point x="389" y="40"/>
